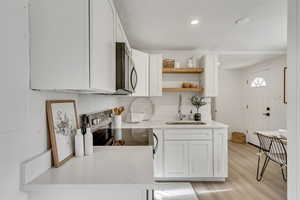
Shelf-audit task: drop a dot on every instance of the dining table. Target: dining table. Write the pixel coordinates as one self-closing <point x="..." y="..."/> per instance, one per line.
<point x="282" y="134"/>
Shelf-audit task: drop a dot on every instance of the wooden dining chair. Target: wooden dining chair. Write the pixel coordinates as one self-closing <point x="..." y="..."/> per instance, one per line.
<point x="274" y="149"/>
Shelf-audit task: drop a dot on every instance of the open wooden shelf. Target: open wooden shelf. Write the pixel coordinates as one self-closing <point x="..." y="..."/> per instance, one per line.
<point x="182" y="89"/>
<point x="185" y="70"/>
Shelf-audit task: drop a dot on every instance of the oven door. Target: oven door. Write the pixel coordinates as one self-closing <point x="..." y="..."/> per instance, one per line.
<point x="102" y="137"/>
<point x="137" y="137"/>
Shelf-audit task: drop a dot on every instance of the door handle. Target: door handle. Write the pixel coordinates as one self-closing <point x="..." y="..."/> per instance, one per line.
<point x="266" y="114"/>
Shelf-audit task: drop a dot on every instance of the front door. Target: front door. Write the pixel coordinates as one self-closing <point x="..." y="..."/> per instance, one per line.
<point x="265" y="109"/>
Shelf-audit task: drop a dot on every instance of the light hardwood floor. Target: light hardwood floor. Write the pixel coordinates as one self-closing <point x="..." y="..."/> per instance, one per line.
<point x="242" y="184"/>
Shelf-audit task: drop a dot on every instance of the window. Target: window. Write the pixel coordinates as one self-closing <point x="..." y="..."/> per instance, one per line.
<point x="258" y="82"/>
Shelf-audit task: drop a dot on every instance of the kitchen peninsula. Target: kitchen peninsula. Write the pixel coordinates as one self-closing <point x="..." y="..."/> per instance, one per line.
<point x="183" y="153"/>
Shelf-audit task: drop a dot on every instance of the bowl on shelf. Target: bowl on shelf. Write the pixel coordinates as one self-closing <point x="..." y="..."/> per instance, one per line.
<point x="186" y="85"/>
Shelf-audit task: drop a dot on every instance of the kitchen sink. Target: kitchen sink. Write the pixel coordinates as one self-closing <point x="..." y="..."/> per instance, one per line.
<point x="185" y="123"/>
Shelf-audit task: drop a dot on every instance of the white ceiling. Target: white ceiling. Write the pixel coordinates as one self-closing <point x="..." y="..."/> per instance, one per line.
<point x="240" y="60"/>
<point x="164" y="24"/>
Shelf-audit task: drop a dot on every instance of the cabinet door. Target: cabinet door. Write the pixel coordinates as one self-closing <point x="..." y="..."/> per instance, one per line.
<point x="210" y="76"/>
<point x="200" y="158"/>
<point x="175" y="157"/>
<point x="220" y="152"/>
<point x="59" y="49"/>
<point x="141" y="63"/>
<point x="102" y="46"/>
<point x="155" y="75"/>
<point x="158" y="156"/>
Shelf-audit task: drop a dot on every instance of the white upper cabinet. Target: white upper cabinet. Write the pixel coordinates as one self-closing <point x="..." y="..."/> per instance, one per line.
<point x="121" y="35"/>
<point x="149" y="73"/>
<point x="209" y="79"/>
<point x="141" y="64"/>
<point x="102" y="46"/>
<point x="59" y="44"/>
<point x="155" y="75"/>
<point x="72" y="45"/>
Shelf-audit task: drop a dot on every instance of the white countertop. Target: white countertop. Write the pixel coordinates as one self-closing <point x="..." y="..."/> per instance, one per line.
<point x="110" y="167"/>
<point x="162" y="124"/>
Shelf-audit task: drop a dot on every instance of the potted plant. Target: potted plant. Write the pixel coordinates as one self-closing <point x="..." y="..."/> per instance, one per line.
<point x="197" y="101"/>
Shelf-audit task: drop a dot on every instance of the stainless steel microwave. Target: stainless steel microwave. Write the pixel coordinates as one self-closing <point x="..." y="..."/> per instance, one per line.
<point x="126" y="74"/>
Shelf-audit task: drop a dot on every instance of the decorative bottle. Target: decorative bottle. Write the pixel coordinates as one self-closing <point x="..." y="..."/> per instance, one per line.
<point x="88" y="142"/>
<point x="79" y="146"/>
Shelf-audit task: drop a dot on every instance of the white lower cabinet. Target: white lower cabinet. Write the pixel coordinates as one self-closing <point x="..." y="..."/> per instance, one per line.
<point x="200" y="159"/>
<point x="176" y="158"/>
<point x="188" y="159"/>
<point x="184" y="155"/>
<point x="220" y="153"/>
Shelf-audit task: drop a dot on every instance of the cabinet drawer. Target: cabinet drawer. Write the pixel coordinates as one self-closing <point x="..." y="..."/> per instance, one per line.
<point x="188" y="134"/>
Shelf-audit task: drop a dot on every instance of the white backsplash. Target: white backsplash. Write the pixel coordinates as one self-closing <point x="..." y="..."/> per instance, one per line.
<point x="166" y="107"/>
<point x="95" y="103"/>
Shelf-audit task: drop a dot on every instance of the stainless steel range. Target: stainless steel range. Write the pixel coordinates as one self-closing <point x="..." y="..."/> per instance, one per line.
<point x="104" y="134"/>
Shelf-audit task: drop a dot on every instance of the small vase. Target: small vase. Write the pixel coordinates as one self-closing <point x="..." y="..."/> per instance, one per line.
<point x="197" y="116"/>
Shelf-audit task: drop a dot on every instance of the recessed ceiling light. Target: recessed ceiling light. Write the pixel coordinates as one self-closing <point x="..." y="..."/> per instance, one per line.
<point x="242" y="20"/>
<point x="194" y="22"/>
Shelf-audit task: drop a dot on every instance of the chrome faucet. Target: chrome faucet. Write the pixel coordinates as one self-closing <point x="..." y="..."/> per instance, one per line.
<point x="180" y="115"/>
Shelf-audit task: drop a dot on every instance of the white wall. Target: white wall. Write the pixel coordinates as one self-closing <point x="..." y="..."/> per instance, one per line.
<point x="278" y="108"/>
<point x="232" y="100"/>
<point x="95" y="103"/>
<point x="229" y="101"/>
<point x="23" y="132"/>
<point x="23" y="124"/>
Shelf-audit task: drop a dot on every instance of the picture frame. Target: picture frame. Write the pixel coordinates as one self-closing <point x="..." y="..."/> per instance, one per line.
<point x="62" y="125"/>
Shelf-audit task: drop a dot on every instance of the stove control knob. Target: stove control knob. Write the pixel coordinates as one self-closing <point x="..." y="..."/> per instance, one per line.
<point x="94" y="122"/>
